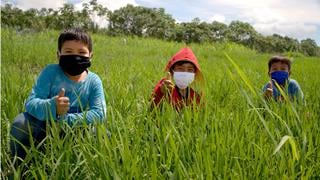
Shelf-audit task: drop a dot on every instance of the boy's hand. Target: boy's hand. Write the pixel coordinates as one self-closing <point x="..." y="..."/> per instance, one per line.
<point x="269" y="91"/>
<point x="167" y="85"/>
<point x="62" y="103"/>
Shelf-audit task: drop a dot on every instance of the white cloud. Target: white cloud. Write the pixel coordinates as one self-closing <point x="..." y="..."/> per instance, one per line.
<point x="116" y="4"/>
<point x="110" y="4"/>
<point x="218" y="17"/>
<point x="27" y="4"/>
<point x="295" y="12"/>
<point x="298" y="30"/>
<point x="55" y="4"/>
<point x="100" y="21"/>
<point x="295" y="21"/>
<point x="294" y="18"/>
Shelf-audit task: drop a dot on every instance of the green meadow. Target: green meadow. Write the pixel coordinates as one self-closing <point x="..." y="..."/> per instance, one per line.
<point x="236" y="135"/>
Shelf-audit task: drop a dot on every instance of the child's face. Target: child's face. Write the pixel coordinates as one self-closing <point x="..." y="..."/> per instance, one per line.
<point x="75" y="47"/>
<point x="185" y="67"/>
<point x="279" y="66"/>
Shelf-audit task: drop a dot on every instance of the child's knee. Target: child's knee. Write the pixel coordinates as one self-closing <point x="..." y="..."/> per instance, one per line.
<point x="19" y="126"/>
<point x="19" y="135"/>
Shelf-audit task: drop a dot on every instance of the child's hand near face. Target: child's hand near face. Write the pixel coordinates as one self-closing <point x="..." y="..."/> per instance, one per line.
<point x="62" y="103"/>
<point x="167" y="85"/>
<point x="269" y="92"/>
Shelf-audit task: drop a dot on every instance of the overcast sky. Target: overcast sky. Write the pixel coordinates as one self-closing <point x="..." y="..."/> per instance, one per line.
<point x="295" y="18"/>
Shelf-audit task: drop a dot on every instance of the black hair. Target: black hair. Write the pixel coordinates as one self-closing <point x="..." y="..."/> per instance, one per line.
<point x="276" y="59"/>
<point x="75" y="34"/>
<point x="179" y="63"/>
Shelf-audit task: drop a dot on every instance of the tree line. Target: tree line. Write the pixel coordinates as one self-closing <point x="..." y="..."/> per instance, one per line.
<point x="151" y="22"/>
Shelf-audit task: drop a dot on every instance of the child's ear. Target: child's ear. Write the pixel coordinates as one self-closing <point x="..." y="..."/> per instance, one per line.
<point x="58" y="55"/>
<point x="171" y="72"/>
<point x="91" y="55"/>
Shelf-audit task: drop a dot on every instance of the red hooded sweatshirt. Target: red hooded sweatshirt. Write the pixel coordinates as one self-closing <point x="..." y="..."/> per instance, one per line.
<point x="185" y="54"/>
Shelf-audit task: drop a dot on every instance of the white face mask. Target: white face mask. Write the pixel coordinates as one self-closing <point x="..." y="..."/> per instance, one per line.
<point x="183" y="79"/>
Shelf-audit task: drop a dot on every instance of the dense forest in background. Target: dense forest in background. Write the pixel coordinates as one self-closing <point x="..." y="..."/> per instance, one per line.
<point x="151" y="22"/>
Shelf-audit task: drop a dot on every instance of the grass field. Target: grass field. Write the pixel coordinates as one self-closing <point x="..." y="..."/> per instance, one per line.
<point x="236" y="136"/>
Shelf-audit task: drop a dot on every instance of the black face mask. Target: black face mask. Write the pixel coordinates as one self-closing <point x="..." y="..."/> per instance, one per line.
<point x="74" y="64"/>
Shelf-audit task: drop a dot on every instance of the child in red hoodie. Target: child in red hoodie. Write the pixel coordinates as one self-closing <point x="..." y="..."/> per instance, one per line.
<point x="182" y="69"/>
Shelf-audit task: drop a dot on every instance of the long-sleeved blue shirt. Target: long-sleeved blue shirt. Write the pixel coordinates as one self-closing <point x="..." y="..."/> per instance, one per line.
<point x="87" y="100"/>
<point x="293" y="90"/>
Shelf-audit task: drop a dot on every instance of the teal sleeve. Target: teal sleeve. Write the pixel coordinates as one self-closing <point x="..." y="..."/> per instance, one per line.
<point x="265" y="88"/>
<point x="39" y="104"/>
<point x="299" y="93"/>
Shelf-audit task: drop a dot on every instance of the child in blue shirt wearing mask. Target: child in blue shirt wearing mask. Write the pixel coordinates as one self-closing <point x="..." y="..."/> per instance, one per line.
<point x="279" y="72"/>
<point x="65" y="92"/>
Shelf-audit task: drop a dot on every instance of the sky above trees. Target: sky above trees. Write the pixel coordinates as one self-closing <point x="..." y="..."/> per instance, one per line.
<point x="294" y="18"/>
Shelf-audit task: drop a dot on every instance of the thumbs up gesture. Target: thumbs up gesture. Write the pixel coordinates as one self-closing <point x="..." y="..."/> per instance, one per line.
<point x="269" y="91"/>
<point x="62" y="103"/>
<point x="167" y="85"/>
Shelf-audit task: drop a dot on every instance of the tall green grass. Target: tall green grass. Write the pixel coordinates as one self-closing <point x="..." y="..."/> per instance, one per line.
<point x="237" y="135"/>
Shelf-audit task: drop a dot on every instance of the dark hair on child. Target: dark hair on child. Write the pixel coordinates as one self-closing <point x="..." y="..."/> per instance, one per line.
<point x="281" y="59"/>
<point x="179" y="63"/>
<point x="77" y="34"/>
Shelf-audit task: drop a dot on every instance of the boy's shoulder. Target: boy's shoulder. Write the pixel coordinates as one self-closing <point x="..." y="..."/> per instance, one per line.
<point x="293" y="86"/>
<point x="52" y="68"/>
<point x="93" y="76"/>
<point x="293" y="82"/>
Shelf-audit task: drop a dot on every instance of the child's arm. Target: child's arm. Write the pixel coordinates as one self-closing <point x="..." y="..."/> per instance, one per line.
<point x="297" y="94"/>
<point x="39" y="104"/>
<point x="97" y="111"/>
<point x="157" y="94"/>
<point x="268" y="91"/>
<point x="300" y="94"/>
<point x="164" y="87"/>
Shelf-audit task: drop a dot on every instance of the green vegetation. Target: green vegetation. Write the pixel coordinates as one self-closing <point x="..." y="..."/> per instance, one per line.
<point x="236" y="136"/>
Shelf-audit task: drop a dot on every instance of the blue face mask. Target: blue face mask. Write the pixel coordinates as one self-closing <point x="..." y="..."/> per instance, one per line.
<point x="280" y="76"/>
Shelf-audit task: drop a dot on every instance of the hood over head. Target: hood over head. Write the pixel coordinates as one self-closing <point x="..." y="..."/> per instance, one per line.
<point x="185" y="54"/>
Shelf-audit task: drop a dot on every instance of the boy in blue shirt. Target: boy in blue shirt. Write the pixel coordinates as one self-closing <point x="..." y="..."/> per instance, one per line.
<point x="65" y="92"/>
<point x="279" y="72"/>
